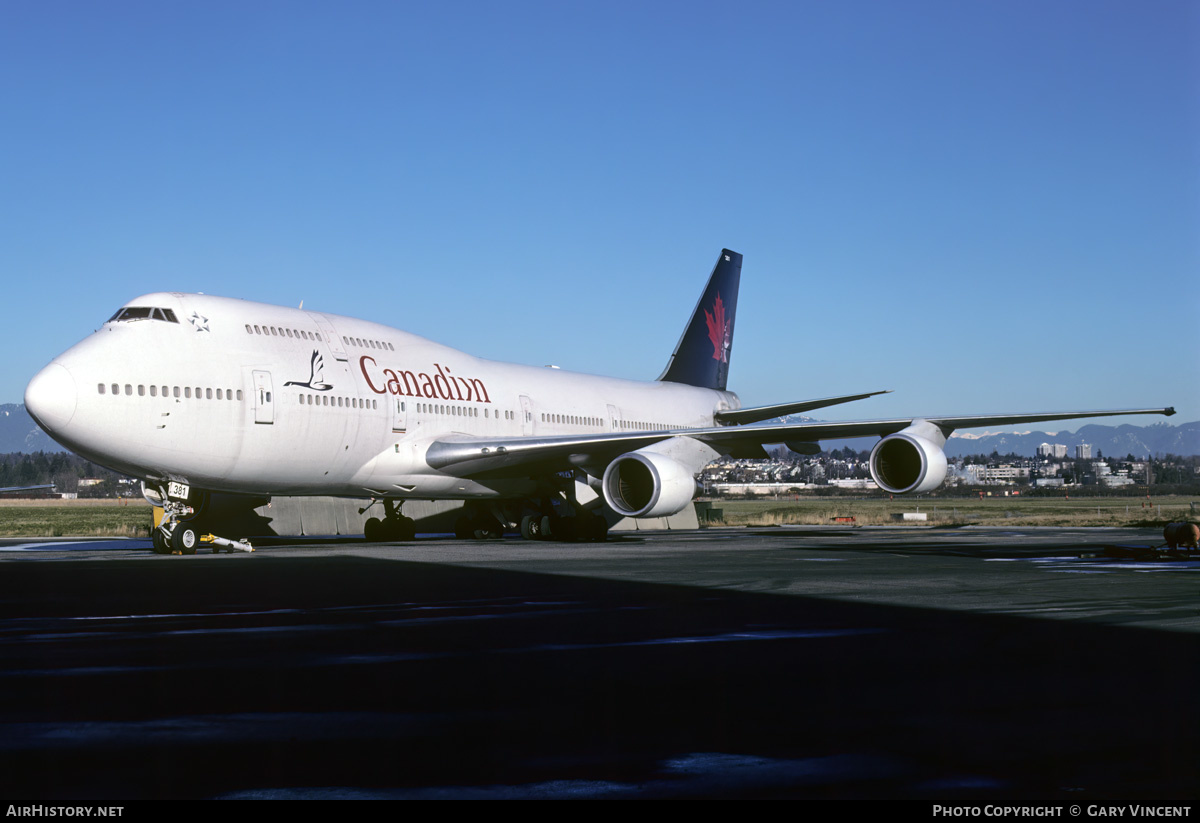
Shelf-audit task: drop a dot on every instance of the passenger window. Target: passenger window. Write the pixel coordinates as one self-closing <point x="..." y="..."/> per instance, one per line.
<point x="100" y="388"/>
<point x="187" y="391"/>
<point x="141" y="390"/>
<point x="128" y="389"/>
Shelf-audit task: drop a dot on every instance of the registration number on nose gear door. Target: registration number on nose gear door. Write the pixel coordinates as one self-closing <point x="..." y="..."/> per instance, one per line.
<point x="179" y="491"/>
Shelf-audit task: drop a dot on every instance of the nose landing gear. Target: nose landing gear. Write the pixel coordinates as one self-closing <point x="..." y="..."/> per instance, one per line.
<point x="181" y="531"/>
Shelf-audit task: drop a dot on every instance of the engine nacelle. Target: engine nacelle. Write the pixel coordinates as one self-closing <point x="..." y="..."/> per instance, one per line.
<point x="909" y="460"/>
<point x="647" y="484"/>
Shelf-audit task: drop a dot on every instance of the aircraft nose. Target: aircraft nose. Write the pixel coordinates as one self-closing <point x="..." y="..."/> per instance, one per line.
<point x="50" y="397"/>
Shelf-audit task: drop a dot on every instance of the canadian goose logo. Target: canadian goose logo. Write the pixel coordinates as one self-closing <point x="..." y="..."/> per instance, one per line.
<point x="316" y="375"/>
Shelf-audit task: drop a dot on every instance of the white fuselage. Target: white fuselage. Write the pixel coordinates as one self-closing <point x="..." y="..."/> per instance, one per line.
<point x="235" y="396"/>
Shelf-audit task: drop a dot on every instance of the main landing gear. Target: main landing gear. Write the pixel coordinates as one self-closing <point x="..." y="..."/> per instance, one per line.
<point x="561" y="516"/>
<point x="479" y="523"/>
<point x="557" y="516"/>
<point x="583" y="527"/>
<point x="393" y="528"/>
<point x="548" y="521"/>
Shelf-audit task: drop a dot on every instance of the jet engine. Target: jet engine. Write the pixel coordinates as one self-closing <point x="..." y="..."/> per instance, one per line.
<point x="910" y="460"/>
<point x="647" y="484"/>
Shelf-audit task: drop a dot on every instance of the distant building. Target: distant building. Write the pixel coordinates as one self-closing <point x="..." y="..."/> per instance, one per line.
<point x="1083" y="451"/>
<point x="1052" y="450"/>
<point x="854" y="483"/>
<point x="758" y="489"/>
<point x="1004" y="473"/>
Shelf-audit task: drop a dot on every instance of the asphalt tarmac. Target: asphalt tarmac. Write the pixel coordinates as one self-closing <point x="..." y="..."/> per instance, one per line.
<point x="963" y="665"/>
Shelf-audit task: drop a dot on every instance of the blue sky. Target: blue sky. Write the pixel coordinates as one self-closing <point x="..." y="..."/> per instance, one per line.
<point x="985" y="206"/>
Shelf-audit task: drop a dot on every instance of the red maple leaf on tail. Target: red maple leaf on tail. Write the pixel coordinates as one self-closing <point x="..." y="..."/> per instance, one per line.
<point x="718" y="329"/>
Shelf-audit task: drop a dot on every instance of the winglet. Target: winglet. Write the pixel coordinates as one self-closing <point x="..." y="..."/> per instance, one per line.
<point x="701" y="358"/>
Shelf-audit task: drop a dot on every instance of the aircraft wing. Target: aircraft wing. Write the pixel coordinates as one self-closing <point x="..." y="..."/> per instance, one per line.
<point x="466" y="456"/>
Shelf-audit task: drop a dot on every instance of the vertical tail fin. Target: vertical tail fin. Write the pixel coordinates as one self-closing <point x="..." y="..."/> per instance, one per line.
<point x="701" y="358"/>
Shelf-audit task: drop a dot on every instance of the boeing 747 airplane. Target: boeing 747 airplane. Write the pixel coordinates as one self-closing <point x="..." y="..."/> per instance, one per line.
<point x="199" y="395"/>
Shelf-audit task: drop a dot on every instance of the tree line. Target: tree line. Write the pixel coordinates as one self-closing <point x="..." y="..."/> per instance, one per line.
<point x="63" y="469"/>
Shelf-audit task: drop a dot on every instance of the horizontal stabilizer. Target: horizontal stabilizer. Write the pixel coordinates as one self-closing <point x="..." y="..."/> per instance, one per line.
<point x="42" y="487"/>
<point x="741" y="417"/>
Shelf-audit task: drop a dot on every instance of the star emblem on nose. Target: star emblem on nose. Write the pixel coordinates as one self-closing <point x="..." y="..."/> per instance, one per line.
<point x="198" y="321"/>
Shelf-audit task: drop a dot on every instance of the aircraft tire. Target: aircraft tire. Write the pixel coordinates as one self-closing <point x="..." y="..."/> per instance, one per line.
<point x="185" y="538"/>
<point x="397" y="530"/>
<point x="407" y="528"/>
<point x="158" y="542"/>
<point x="531" y="527"/>
<point x="598" y="529"/>
<point x="373" y="531"/>
<point x="561" y="529"/>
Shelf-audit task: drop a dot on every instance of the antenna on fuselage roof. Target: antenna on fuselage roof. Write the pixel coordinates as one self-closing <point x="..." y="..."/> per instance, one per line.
<point x="301" y="304"/>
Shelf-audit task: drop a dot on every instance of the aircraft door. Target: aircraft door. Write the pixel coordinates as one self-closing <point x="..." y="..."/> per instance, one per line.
<point x="526" y="416"/>
<point x="400" y="415"/>
<point x="614" y="414"/>
<point x="331" y="335"/>
<point x="264" y="401"/>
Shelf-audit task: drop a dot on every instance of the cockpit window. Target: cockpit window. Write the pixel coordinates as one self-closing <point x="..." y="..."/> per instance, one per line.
<point x="143" y="313"/>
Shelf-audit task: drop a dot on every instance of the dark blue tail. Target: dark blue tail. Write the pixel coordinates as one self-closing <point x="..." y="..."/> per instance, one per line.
<point x="702" y="356"/>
